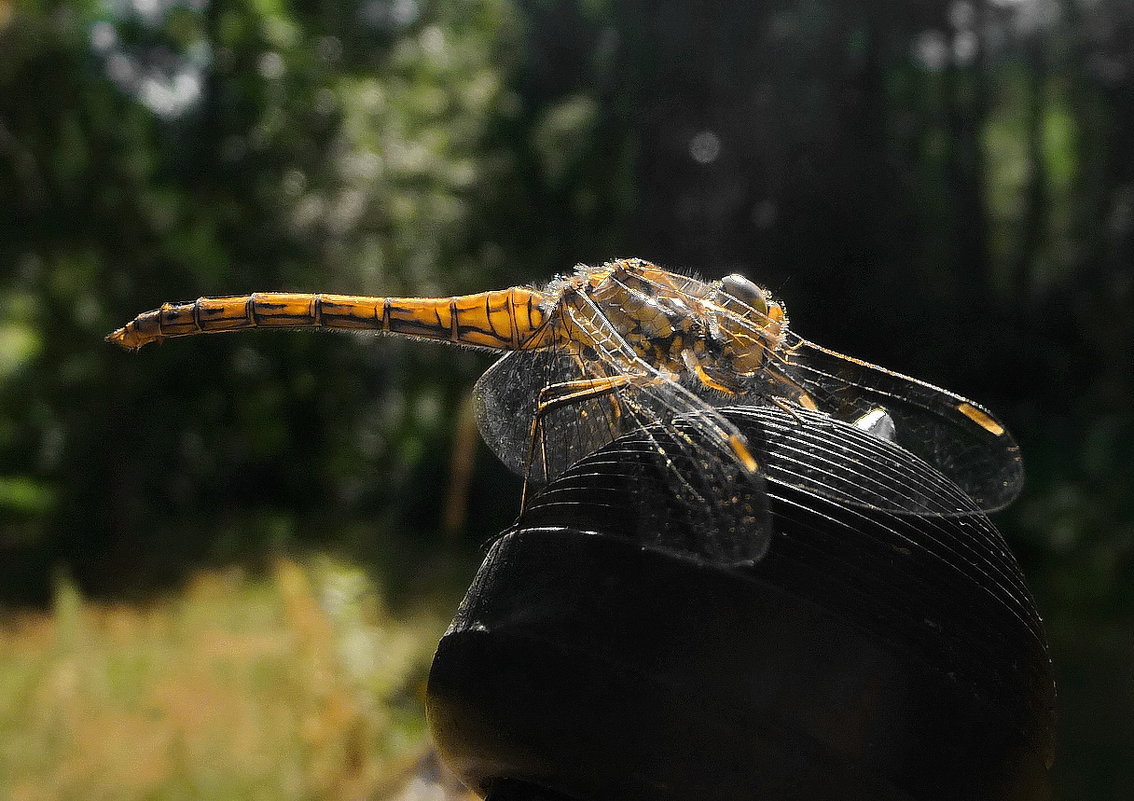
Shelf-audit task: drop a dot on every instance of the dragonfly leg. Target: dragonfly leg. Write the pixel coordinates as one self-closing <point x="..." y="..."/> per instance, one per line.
<point x="554" y="396"/>
<point x="797" y="393"/>
<point x="694" y="365"/>
<point x="787" y="407"/>
<point x="615" y="405"/>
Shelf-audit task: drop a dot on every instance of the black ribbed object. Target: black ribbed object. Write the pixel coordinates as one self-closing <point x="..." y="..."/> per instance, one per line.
<point x="869" y="655"/>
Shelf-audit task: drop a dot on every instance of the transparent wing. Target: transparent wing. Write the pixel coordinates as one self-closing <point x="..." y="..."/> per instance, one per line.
<point x="982" y="553"/>
<point x="956" y="436"/>
<point x="679" y="435"/>
<point x="506" y="398"/>
<point x="822" y="456"/>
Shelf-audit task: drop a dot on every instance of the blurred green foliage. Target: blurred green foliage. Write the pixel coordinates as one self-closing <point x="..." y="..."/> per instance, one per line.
<point x="946" y="188"/>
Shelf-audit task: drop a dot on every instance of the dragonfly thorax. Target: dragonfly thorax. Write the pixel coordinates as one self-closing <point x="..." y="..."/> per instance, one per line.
<point x="714" y="335"/>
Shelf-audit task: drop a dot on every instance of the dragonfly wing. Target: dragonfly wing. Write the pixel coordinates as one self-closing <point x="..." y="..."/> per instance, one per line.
<point x="506" y="398"/>
<point x="821" y="456"/>
<point x="662" y="487"/>
<point x="954" y="435"/>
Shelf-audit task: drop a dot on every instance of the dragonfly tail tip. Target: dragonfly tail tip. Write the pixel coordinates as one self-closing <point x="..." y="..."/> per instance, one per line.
<point x="121" y="337"/>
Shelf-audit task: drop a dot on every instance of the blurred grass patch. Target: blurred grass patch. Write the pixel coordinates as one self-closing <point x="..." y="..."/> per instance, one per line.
<point x="297" y="685"/>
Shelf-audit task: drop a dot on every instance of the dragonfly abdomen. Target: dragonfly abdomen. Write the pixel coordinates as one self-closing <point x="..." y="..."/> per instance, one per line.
<point x="500" y="320"/>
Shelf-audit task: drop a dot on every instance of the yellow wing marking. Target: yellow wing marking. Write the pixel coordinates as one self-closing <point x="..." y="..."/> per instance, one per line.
<point x="981" y="419"/>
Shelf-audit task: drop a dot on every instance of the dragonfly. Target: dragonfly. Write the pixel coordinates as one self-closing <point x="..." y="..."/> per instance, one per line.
<point x="631" y="346"/>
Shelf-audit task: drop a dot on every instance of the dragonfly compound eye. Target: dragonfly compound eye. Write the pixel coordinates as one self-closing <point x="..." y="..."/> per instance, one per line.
<point x="745" y="291"/>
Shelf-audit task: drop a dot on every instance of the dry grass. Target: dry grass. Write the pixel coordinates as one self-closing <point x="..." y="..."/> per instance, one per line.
<point x="295" y="686"/>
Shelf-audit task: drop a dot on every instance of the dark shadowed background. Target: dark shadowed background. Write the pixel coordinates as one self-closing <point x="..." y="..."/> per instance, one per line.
<point x="943" y="188"/>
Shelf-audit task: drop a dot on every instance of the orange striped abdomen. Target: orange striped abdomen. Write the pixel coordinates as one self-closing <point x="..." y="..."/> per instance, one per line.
<point x="500" y="320"/>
